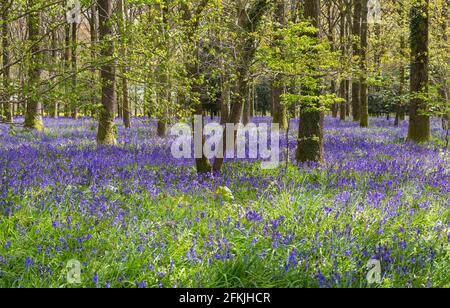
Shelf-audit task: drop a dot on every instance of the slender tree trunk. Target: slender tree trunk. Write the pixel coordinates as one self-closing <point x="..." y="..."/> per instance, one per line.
<point x="399" y="114"/>
<point x="310" y="140"/>
<point x="348" y="35"/>
<point x="33" y="116"/>
<point x="74" y="43"/>
<point x="106" y="134"/>
<point x="279" y="109"/>
<point x="6" y="72"/>
<point x="248" y="21"/>
<point x="330" y="34"/>
<point x="224" y="100"/>
<point x="343" y="104"/>
<point x="419" y="124"/>
<point x="164" y="76"/>
<point x="67" y="52"/>
<point x="235" y="113"/>
<point x="443" y="75"/>
<point x="335" y="106"/>
<point x="22" y="96"/>
<point x="364" y="110"/>
<point x="93" y="29"/>
<point x="356" y="92"/>
<point x="55" y="110"/>
<point x="252" y="101"/>
<point x="203" y="165"/>
<point x="124" y="54"/>
<point x="246" y="116"/>
<point x="347" y="98"/>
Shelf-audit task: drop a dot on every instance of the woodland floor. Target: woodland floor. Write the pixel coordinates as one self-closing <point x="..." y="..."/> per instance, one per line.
<point x="136" y="217"/>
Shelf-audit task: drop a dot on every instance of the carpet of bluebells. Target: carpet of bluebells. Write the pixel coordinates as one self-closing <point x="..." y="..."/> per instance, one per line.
<point x="136" y="217"/>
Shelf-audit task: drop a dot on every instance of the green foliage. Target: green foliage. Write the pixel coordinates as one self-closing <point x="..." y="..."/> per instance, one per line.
<point x="298" y="58"/>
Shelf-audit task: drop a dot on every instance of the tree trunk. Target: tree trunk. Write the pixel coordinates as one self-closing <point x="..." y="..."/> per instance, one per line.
<point x="106" y="134"/>
<point x="33" y="116"/>
<point x="246" y="115"/>
<point x="123" y="53"/>
<point x="419" y="124"/>
<point x="347" y="98"/>
<point x="235" y="113"/>
<point x="443" y="76"/>
<point x="93" y="29"/>
<point x="74" y="102"/>
<point x="66" y="64"/>
<point x="224" y="100"/>
<point x="203" y="165"/>
<point x="56" y="61"/>
<point x="6" y="72"/>
<point x="252" y="101"/>
<point x="248" y="21"/>
<point x="335" y="106"/>
<point x="279" y="110"/>
<point x="399" y="114"/>
<point x="164" y="93"/>
<point x="364" y="110"/>
<point x="310" y="140"/>
<point x="343" y="104"/>
<point x="161" y="129"/>
<point x="356" y="92"/>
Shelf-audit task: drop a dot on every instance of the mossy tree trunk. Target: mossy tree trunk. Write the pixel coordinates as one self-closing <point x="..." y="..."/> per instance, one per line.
<point x="106" y="129"/>
<point x="33" y="115"/>
<point x="310" y="137"/>
<point x="443" y="74"/>
<point x="419" y="123"/>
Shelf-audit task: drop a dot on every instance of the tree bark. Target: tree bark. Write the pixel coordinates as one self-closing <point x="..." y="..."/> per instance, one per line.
<point x="343" y="104"/>
<point x="443" y="75"/>
<point x="203" y="165"/>
<point x="310" y="137"/>
<point x="6" y="72"/>
<point x="106" y="134"/>
<point x="419" y="124"/>
<point x="248" y="21"/>
<point x="74" y="102"/>
<point x="347" y="98"/>
<point x="55" y="61"/>
<point x="335" y="106"/>
<point x="364" y="96"/>
<point x="33" y="116"/>
<point x="356" y="92"/>
<point x="93" y="29"/>
<point x="399" y="114"/>
<point x="279" y="110"/>
<point x="123" y="53"/>
<point x="67" y="51"/>
<point x="224" y="100"/>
